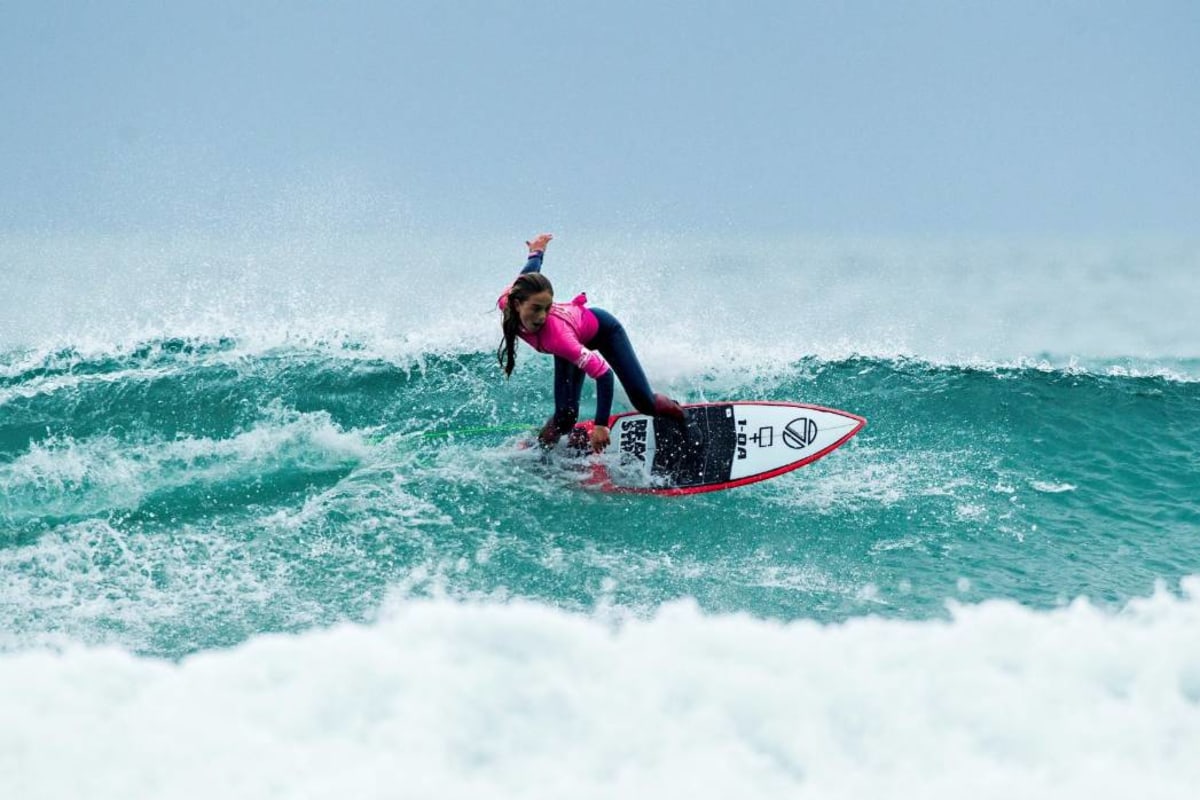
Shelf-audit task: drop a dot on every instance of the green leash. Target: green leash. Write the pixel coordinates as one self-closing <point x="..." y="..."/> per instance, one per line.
<point x="482" y="430"/>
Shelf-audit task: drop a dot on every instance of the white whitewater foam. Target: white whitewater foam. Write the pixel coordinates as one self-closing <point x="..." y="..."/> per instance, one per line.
<point x="693" y="305"/>
<point x="1049" y="487"/>
<point x="446" y="700"/>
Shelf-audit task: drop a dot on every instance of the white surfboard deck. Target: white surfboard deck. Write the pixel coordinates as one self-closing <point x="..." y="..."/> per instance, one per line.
<point x="726" y="445"/>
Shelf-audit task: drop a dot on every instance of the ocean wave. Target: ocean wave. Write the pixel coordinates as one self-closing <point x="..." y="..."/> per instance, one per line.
<point x="61" y="478"/>
<point x="518" y="699"/>
<point x="312" y="477"/>
<point x="28" y="371"/>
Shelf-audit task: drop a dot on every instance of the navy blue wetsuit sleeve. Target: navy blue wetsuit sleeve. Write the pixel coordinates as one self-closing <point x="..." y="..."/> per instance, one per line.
<point x="534" y="264"/>
<point x="604" y="398"/>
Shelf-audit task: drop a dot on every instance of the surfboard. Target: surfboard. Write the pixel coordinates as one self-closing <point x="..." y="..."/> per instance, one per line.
<point x="724" y="445"/>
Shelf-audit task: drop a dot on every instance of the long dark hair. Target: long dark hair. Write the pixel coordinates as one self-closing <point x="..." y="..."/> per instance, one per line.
<point x="523" y="288"/>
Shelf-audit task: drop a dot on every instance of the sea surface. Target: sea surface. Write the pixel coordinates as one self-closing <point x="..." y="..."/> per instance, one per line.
<point x="265" y="530"/>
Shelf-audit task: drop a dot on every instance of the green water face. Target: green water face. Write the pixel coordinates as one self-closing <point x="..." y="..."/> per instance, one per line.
<point x="185" y="496"/>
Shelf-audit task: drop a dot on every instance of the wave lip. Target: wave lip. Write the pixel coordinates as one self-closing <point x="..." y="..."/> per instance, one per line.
<point x="521" y="700"/>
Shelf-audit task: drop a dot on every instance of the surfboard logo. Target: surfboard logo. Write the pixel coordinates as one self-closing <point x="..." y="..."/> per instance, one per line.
<point x="633" y="438"/>
<point x="800" y="433"/>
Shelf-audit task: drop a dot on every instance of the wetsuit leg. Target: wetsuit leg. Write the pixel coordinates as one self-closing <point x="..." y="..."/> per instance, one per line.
<point x="568" y="386"/>
<point x="613" y="343"/>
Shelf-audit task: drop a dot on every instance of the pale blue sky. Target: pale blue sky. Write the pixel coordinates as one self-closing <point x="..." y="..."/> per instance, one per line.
<point x="811" y="117"/>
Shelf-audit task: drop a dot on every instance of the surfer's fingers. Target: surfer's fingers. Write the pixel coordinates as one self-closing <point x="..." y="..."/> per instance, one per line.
<point x="540" y="241"/>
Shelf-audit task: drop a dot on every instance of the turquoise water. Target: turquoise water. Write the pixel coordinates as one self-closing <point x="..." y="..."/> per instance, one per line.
<point x="192" y="497"/>
<point x="223" y="509"/>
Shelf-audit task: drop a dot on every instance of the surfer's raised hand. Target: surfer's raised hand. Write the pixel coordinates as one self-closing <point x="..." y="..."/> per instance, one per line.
<point x="539" y="242"/>
<point x="600" y="438"/>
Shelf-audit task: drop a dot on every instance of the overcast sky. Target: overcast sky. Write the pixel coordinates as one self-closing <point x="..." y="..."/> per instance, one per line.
<point x="963" y="118"/>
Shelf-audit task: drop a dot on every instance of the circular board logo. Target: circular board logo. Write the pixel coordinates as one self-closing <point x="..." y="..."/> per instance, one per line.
<point x="800" y="433"/>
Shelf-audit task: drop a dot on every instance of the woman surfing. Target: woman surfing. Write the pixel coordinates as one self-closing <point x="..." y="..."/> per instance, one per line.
<point x="583" y="341"/>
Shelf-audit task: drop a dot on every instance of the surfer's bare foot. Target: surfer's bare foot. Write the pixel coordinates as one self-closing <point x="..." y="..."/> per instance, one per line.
<point x="666" y="407"/>
<point x="539" y="242"/>
<point x="549" y="435"/>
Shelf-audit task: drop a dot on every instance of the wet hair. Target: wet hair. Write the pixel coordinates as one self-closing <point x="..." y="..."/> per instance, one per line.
<point x="525" y="286"/>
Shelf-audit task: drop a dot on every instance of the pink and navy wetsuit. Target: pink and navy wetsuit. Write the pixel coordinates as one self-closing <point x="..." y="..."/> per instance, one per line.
<point x="586" y="341"/>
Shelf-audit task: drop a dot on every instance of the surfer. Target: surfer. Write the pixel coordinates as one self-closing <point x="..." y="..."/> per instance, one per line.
<point x="583" y="341"/>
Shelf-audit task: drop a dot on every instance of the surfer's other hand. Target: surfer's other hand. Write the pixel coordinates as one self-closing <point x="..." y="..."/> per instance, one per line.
<point x="539" y="242"/>
<point x="600" y="438"/>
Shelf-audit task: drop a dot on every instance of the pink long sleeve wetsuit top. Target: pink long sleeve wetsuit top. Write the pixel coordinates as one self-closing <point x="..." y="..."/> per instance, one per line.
<point x="568" y="326"/>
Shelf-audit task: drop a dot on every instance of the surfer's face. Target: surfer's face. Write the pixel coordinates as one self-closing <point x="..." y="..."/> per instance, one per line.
<point x="534" y="310"/>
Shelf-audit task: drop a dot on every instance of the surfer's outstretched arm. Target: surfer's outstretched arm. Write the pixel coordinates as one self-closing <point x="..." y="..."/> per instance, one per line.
<point x="534" y="264"/>
<point x="537" y="249"/>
